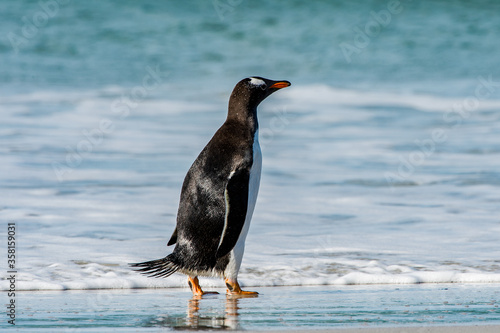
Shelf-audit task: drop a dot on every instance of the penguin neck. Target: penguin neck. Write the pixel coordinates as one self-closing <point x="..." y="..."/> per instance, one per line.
<point x="243" y="113"/>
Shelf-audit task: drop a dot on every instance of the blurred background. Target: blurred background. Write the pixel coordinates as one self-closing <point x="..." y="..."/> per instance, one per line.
<point x="437" y="46"/>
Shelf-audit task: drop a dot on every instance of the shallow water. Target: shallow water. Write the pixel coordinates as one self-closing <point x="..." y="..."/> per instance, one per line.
<point x="274" y="309"/>
<point x="383" y="169"/>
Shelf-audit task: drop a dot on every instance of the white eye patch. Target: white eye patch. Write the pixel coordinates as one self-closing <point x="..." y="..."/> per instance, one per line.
<point x="257" y="82"/>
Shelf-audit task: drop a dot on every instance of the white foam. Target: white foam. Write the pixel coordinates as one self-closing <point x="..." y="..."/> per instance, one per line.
<point x="326" y="95"/>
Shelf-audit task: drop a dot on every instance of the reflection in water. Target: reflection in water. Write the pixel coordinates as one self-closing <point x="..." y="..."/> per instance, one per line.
<point x="223" y="321"/>
<point x="200" y="318"/>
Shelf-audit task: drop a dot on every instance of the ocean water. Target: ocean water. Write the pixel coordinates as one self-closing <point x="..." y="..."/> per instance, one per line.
<point x="380" y="163"/>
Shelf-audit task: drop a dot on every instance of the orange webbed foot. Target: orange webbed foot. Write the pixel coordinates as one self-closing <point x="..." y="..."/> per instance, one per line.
<point x="194" y="284"/>
<point x="234" y="289"/>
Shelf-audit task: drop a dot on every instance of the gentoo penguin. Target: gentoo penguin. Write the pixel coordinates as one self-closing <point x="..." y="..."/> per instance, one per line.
<point x="218" y="196"/>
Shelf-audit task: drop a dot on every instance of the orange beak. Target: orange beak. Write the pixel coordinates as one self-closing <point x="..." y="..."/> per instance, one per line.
<point x="280" y="84"/>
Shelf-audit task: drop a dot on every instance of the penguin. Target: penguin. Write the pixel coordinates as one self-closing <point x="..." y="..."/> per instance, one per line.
<point x="218" y="197"/>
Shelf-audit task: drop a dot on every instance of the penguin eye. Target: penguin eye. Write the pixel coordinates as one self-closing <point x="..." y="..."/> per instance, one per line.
<point x="263" y="86"/>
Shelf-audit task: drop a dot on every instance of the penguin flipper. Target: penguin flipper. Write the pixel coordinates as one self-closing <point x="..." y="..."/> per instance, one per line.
<point x="236" y="195"/>
<point x="173" y="238"/>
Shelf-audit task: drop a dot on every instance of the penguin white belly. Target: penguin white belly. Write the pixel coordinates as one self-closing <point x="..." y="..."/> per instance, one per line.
<point x="234" y="264"/>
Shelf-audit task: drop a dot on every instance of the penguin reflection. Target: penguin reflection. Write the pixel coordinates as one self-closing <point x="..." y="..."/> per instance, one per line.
<point x="223" y="321"/>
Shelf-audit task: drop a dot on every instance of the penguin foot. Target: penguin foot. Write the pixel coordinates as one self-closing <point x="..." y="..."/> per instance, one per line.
<point x="233" y="289"/>
<point x="194" y="285"/>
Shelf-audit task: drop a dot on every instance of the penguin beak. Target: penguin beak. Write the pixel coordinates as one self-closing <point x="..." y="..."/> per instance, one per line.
<point x="280" y="84"/>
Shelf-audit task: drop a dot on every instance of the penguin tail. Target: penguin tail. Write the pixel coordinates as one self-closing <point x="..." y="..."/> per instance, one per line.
<point x="158" y="268"/>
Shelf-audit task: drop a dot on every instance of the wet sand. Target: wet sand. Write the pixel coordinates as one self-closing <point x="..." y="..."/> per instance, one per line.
<point x="439" y="308"/>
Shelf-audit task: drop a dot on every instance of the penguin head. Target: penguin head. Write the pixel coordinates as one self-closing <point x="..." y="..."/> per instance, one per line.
<point x="253" y="90"/>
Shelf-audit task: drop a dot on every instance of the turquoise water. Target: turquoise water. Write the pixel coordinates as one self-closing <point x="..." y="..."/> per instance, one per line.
<point x="433" y="46"/>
